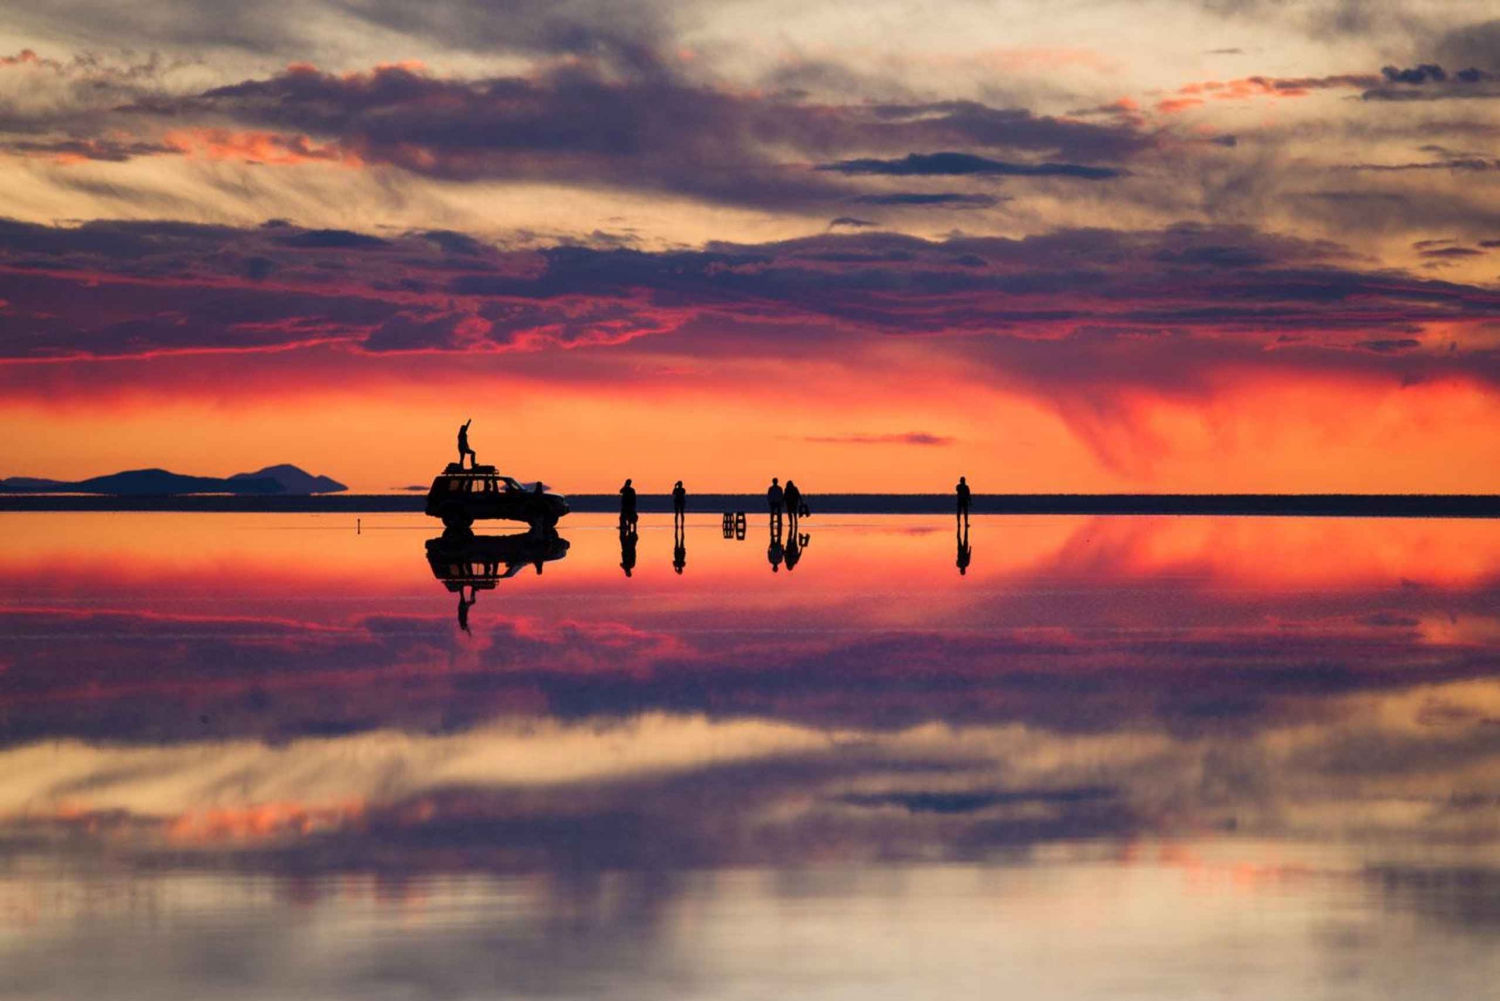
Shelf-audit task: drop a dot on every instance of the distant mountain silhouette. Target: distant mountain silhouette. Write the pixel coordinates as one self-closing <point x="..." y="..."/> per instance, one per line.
<point x="293" y="480"/>
<point x="283" y="479"/>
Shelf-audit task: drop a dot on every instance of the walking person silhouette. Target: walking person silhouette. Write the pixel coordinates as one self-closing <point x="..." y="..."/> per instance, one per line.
<point x="774" y="497"/>
<point x="628" y="515"/>
<point x="793" y="498"/>
<point x="463" y="446"/>
<point x="679" y="504"/>
<point x="963" y="499"/>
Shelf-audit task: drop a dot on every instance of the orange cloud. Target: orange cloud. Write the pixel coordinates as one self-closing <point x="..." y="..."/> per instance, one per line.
<point x="28" y="57"/>
<point x="258" y="147"/>
<point x="1248" y="87"/>
<point x="1172" y="106"/>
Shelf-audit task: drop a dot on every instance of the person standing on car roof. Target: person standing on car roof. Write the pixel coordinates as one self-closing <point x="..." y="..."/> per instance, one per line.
<point x="463" y="446"/>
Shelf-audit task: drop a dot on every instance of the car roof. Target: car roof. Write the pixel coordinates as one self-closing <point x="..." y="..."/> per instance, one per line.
<point x="468" y="474"/>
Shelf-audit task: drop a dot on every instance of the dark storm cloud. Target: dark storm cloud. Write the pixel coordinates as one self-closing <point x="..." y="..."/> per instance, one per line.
<point x="1466" y="165"/>
<point x="966" y="164"/>
<point x="948" y="199"/>
<point x="1016" y="128"/>
<point x="1431" y="82"/>
<point x="923" y="438"/>
<point x="1415" y="75"/>
<point x="628" y="33"/>
<point x="1071" y="311"/>
<point x="578" y="124"/>
<point x="329" y="239"/>
<point x="455" y="243"/>
<point x="1475" y="44"/>
<point x="106" y="150"/>
<point x="1452" y="252"/>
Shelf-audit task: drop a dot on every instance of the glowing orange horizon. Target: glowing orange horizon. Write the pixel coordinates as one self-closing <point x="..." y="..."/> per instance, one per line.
<point x="906" y="431"/>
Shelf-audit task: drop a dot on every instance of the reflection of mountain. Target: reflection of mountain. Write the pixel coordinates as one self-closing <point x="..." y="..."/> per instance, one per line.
<point x="463" y="560"/>
<point x="282" y="479"/>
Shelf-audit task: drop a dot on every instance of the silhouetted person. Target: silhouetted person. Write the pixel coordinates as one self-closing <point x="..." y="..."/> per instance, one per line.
<point x="965" y="551"/>
<point x="963" y="499"/>
<point x="628" y="515"/>
<point x="679" y="503"/>
<point x="679" y="549"/>
<point x="463" y="446"/>
<point x="628" y="539"/>
<point x="464" y="604"/>
<point x="793" y="498"/>
<point x="774" y="498"/>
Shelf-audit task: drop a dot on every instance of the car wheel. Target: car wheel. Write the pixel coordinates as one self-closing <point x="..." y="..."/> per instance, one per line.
<point x="456" y="517"/>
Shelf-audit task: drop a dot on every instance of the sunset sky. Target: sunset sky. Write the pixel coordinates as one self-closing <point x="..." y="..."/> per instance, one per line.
<point x="1075" y="245"/>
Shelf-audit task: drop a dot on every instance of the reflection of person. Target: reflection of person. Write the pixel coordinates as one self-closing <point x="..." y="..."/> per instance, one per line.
<point x="793" y="498"/>
<point x="679" y="503"/>
<point x="679" y="549"/>
<point x="463" y="445"/>
<point x="775" y="552"/>
<point x="628" y="539"/>
<point x="464" y="604"/>
<point x="963" y="499"/>
<point x="965" y="551"/>
<point x="774" y="498"/>
<point x="794" y="545"/>
<point x="628" y="515"/>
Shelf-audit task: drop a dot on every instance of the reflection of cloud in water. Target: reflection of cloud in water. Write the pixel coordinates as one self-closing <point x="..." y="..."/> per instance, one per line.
<point x="1173" y="920"/>
<point x="1186" y="756"/>
<point x="116" y="675"/>
<point x="673" y="791"/>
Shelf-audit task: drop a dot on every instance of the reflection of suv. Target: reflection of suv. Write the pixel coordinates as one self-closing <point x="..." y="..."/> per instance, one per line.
<point x="478" y="561"/>
<point x="462" y="496"/>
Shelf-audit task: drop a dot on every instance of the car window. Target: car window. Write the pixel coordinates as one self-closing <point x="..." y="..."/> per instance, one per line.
<point x="454" y="485"/>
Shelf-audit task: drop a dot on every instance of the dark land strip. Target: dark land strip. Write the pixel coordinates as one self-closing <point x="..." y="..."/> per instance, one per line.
<point x="1283" y="505"/>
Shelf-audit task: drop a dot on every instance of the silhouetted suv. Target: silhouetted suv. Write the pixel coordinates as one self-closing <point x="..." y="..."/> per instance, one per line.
<point x="463" y="496"/>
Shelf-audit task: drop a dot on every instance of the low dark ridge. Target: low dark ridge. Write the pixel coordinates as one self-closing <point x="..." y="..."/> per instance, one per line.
<point x="1284" y="505"/>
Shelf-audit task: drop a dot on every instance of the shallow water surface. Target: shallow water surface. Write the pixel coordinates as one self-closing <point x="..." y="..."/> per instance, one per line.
<point x="269" y="756"/>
